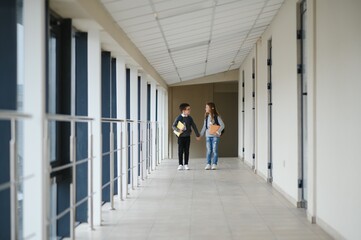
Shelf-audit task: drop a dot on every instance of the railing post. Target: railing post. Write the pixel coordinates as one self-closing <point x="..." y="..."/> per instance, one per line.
<point x="111" y="159"/>
<point x="90" y="177"/>
<point x="73" y="184"/>
<point x="134" y="161"/>
<point x="46" y="186"/>
<point x="123" y="167"/>
<point x="126" y="158"/>
<point x="149" y="153"/>
<point x="13" y="182"/>
<point x="141" y="140"/>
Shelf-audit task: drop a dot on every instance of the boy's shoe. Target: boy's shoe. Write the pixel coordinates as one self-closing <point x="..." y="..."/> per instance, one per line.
<point x="186" y="167"/>
<point x="180" y="167"/>
<point x="214" y="167"/>
<point x="207" y="167"/>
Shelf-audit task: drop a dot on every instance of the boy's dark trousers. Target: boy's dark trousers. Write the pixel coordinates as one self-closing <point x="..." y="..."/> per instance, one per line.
<point x="183" y="147"/>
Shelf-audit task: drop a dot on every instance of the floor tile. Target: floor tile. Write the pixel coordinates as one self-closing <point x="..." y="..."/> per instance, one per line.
<point x="228" y="204"/>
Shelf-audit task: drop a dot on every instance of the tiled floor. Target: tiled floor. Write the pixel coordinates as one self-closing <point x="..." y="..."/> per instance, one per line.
<point x="229" y="203"/>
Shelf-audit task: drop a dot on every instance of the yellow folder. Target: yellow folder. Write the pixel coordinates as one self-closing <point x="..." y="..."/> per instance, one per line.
<point x="180" y="126"/>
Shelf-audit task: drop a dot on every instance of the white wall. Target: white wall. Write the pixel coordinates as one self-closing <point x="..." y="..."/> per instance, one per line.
<point x="248" y="105"/>
<point x="262" y="105"/>
<point x="338" y="129"/>
<point x="284" y="102"/>
<point x="334" y="115"/>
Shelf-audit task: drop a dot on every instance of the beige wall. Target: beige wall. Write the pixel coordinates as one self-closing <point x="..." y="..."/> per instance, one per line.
<point x="224" y="95"/>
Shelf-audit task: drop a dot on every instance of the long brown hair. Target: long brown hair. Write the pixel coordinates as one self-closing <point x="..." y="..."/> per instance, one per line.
<point x="213" y="109"/>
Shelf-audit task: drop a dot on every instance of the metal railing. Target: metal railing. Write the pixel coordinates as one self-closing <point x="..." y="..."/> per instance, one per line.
<point x="134" y="169"/>
<point x="13" y="117"/>
<point x="137" y="169"/>
<point x="71" y="165"/>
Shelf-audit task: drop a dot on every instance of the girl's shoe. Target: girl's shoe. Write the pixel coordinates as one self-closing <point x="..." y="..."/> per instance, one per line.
<point x="214" y="167"/>
<point x="208" y="166"/>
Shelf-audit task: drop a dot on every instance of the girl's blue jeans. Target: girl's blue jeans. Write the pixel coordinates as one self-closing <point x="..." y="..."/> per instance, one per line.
<point x="212" y="149"/>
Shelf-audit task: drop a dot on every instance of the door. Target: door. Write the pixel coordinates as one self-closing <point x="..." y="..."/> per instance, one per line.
<point x="253" y="115"/>
<point x="243" y="114"/>
<point x="302" y="182"/>
<point x="269" y="90"/>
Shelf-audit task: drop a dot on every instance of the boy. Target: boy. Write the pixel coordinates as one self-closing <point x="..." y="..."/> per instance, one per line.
<point x="184" y="139"/>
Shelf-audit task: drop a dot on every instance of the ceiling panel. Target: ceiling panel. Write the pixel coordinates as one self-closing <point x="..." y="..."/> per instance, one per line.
<point x="177" y="8"/>
<point x="123" y="5"/>
<point x="190" y="38"/>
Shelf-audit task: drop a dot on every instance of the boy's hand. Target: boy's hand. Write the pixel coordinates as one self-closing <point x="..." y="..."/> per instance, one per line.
<point x="198" y="138"/>
<point x="180" y="131"/>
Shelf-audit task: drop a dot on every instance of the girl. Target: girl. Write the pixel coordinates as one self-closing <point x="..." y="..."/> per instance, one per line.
<point x="213" y="127"/>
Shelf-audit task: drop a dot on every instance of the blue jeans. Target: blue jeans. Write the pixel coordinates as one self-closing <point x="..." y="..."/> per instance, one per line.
<point x="212" y="148"/>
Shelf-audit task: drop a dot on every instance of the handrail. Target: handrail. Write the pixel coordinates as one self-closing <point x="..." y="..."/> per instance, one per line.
<point x="130" y="168"/>
<point x="13" y="116"/>
<point x="9" y="114"/>
<point x="72" y="119"/>
<point x="104" y="119"/>
<point x="68" y="118"/>
<point x="144" y="162"/>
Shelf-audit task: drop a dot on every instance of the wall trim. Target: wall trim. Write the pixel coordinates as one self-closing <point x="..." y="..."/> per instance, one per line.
<point x="286" y="195"/>
<point x="330" y="230"/>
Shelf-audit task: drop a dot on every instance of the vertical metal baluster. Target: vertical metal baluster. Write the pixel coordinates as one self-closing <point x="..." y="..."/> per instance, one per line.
<point x="90" y="177"/>
<point x="132" y="156"/>
<point x="46" y="187"/>
<point x="121" y="163"/>
<point x="126" y="157"/>
<point x="73" y="184"/>
<point x="111" y="165"/>
<point x="149" y="148"/>
<point x="141" y="152"/>
<point x="13" y="182"/>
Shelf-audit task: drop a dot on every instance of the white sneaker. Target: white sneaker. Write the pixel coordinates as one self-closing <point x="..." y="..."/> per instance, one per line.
<point x="186" y="167"/>
<point x="214" y="167"/>
<point x="207" y="167"/>
<point x="180" y="167"/>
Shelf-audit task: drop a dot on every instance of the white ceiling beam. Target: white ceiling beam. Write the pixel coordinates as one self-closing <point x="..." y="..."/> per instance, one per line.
<point x="228" y="76"/>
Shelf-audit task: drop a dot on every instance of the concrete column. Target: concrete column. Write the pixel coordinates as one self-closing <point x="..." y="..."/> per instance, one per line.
<point x="36" y="188"/>
<point x="134" y="128"/>
<point x="166" y="126"/>
<point x="143" y="118"/>
<point x="121" y="114"/>
<point x="153" y="88"/>
<point x="94" y="111"/>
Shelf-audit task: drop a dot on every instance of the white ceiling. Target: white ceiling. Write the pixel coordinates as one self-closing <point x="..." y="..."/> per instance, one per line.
<point x="187" y="39"/>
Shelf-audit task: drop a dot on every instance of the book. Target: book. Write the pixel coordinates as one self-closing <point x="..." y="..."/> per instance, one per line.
<point x="180" y="126"/>
<point x="213" y="129"/>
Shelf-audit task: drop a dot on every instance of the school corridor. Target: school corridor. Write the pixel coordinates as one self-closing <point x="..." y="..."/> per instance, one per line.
<point x="89" y="90"/>
<point x="229" y="203"/>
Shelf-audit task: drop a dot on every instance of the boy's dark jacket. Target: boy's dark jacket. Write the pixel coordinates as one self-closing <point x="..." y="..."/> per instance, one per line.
<point x="188" y="122"/>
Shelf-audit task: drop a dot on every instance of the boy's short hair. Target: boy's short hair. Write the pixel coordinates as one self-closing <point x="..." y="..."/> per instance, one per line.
<point x="183" y="106"/>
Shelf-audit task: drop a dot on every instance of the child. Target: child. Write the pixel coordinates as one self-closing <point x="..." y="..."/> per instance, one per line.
<point x="184" y="139"/>
<point x="212" y="138"/>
